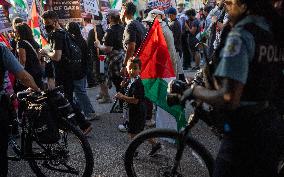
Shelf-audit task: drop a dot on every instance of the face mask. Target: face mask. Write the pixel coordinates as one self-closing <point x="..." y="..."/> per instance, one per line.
<point x="49" y="28"/>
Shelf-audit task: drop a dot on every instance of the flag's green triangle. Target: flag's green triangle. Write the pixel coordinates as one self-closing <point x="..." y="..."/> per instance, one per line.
<point x="20" y="3"/>
<point x="156" y="91"/>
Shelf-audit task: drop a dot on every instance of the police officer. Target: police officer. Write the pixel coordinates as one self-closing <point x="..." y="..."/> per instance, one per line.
<point x="245" y="81"/>
<point x="8" y="62"/>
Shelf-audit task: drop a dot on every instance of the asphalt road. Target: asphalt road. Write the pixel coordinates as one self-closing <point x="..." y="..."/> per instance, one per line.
<point x="108" y="143"/>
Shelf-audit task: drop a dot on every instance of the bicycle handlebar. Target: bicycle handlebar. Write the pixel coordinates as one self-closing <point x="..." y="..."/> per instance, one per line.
<point x="34" y="94"/>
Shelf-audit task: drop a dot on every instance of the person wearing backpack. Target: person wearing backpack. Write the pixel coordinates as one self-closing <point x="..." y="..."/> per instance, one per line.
<point x="80" y="82"/>
<point x="28" y="49"/>
<point x="65" y="54"/>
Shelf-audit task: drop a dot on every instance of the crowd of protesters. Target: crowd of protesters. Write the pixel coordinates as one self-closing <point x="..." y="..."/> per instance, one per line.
<point x="183" y="29"/>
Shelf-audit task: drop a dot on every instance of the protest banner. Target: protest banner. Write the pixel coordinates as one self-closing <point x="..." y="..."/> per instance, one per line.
<point x="160" y="4"/>
<point x="67" y="10"/>
<point x="17" y="11"/>
<point x="5" y="24"/>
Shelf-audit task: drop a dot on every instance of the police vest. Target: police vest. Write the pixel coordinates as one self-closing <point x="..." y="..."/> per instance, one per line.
<point x="280" y="42"/>
<point x="263" y="75"/>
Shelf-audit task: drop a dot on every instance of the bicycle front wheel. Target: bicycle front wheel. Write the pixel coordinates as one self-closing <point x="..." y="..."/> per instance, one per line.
<point x="195" y="161"/>
<point x="70" y="156"/>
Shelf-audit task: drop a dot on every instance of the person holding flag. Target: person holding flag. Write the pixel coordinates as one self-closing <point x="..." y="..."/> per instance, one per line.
<point x="164" y="119"/>
<point x="135" y="98"/>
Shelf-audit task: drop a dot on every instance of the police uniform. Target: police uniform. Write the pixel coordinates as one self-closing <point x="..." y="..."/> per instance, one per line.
<point x="10" y="63"/>
<point x="252" y="141"/>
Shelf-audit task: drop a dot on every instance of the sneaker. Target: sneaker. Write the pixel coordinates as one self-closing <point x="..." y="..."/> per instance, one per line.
<point x="92" y="116"/>
<point x="150" y="123"/>
<point x="87" y="130"/>
<point x="104" y="100"/>
<point x="99" y="96"/>
<point x="196" y="68"/>
<point x="155" y="149"/>
<point x="123" y="127"/>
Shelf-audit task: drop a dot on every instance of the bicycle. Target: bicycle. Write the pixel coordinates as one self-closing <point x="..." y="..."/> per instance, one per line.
<point x="51" y="159"/>
<point x="168" y="162"/>
<point x="178" y="148"/>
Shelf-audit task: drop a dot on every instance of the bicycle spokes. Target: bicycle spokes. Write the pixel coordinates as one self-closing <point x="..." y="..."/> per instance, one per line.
<point x="165" y="162"/>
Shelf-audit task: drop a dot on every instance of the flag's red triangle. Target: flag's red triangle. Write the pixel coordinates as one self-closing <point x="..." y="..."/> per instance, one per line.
<point x="4" y="40"/>
<point x="154" y="55"/>
<point x="34" y="16"/>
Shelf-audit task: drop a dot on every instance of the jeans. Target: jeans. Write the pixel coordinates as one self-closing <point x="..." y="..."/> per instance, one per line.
<point x="3" y="141"/>
<point x="82" y="97"/>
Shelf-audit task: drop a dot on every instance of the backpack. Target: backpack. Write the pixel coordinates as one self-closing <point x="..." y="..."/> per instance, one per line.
<point x="73" y="57"/>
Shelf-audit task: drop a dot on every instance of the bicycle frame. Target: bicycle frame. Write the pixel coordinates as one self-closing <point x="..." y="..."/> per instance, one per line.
<point x="193" y="119"/>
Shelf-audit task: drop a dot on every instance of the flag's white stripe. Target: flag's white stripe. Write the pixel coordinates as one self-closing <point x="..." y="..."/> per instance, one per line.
<point x="169" y="79"/>
<point x="163" y="118"/>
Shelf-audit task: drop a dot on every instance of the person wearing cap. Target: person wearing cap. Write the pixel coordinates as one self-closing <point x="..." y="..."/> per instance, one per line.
<point x="176" y="28"/>
<point x="113" y="48"/>
<point x="247" y="76"/>
<point x="146" y="11"/>
<point x="163" y="119"/>
<point x="155" y="13"/>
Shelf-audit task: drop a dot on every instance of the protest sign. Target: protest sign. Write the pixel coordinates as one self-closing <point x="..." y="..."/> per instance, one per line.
<point x="160" y="4"/>
<point x="5" y="24"/>
<point x="91" y="7"/>
<point x="67" y="10"/>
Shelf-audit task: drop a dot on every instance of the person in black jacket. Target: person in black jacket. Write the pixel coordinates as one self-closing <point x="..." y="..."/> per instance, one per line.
<point x="80" y="83"/>
<point x="58" y="55"/>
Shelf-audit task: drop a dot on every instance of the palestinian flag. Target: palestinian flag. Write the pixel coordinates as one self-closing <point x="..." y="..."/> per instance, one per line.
<point x="20" y="3"/>
<point x="117" y="4"/>
<point x="34" y="24"/>
<point x="4" y="41"/>
<point x="157" y="70"/>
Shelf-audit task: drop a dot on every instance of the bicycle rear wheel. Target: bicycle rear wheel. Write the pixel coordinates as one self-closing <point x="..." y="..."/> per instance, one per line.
<point x="70" y="156"/>
<point x="195" y="161"/>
